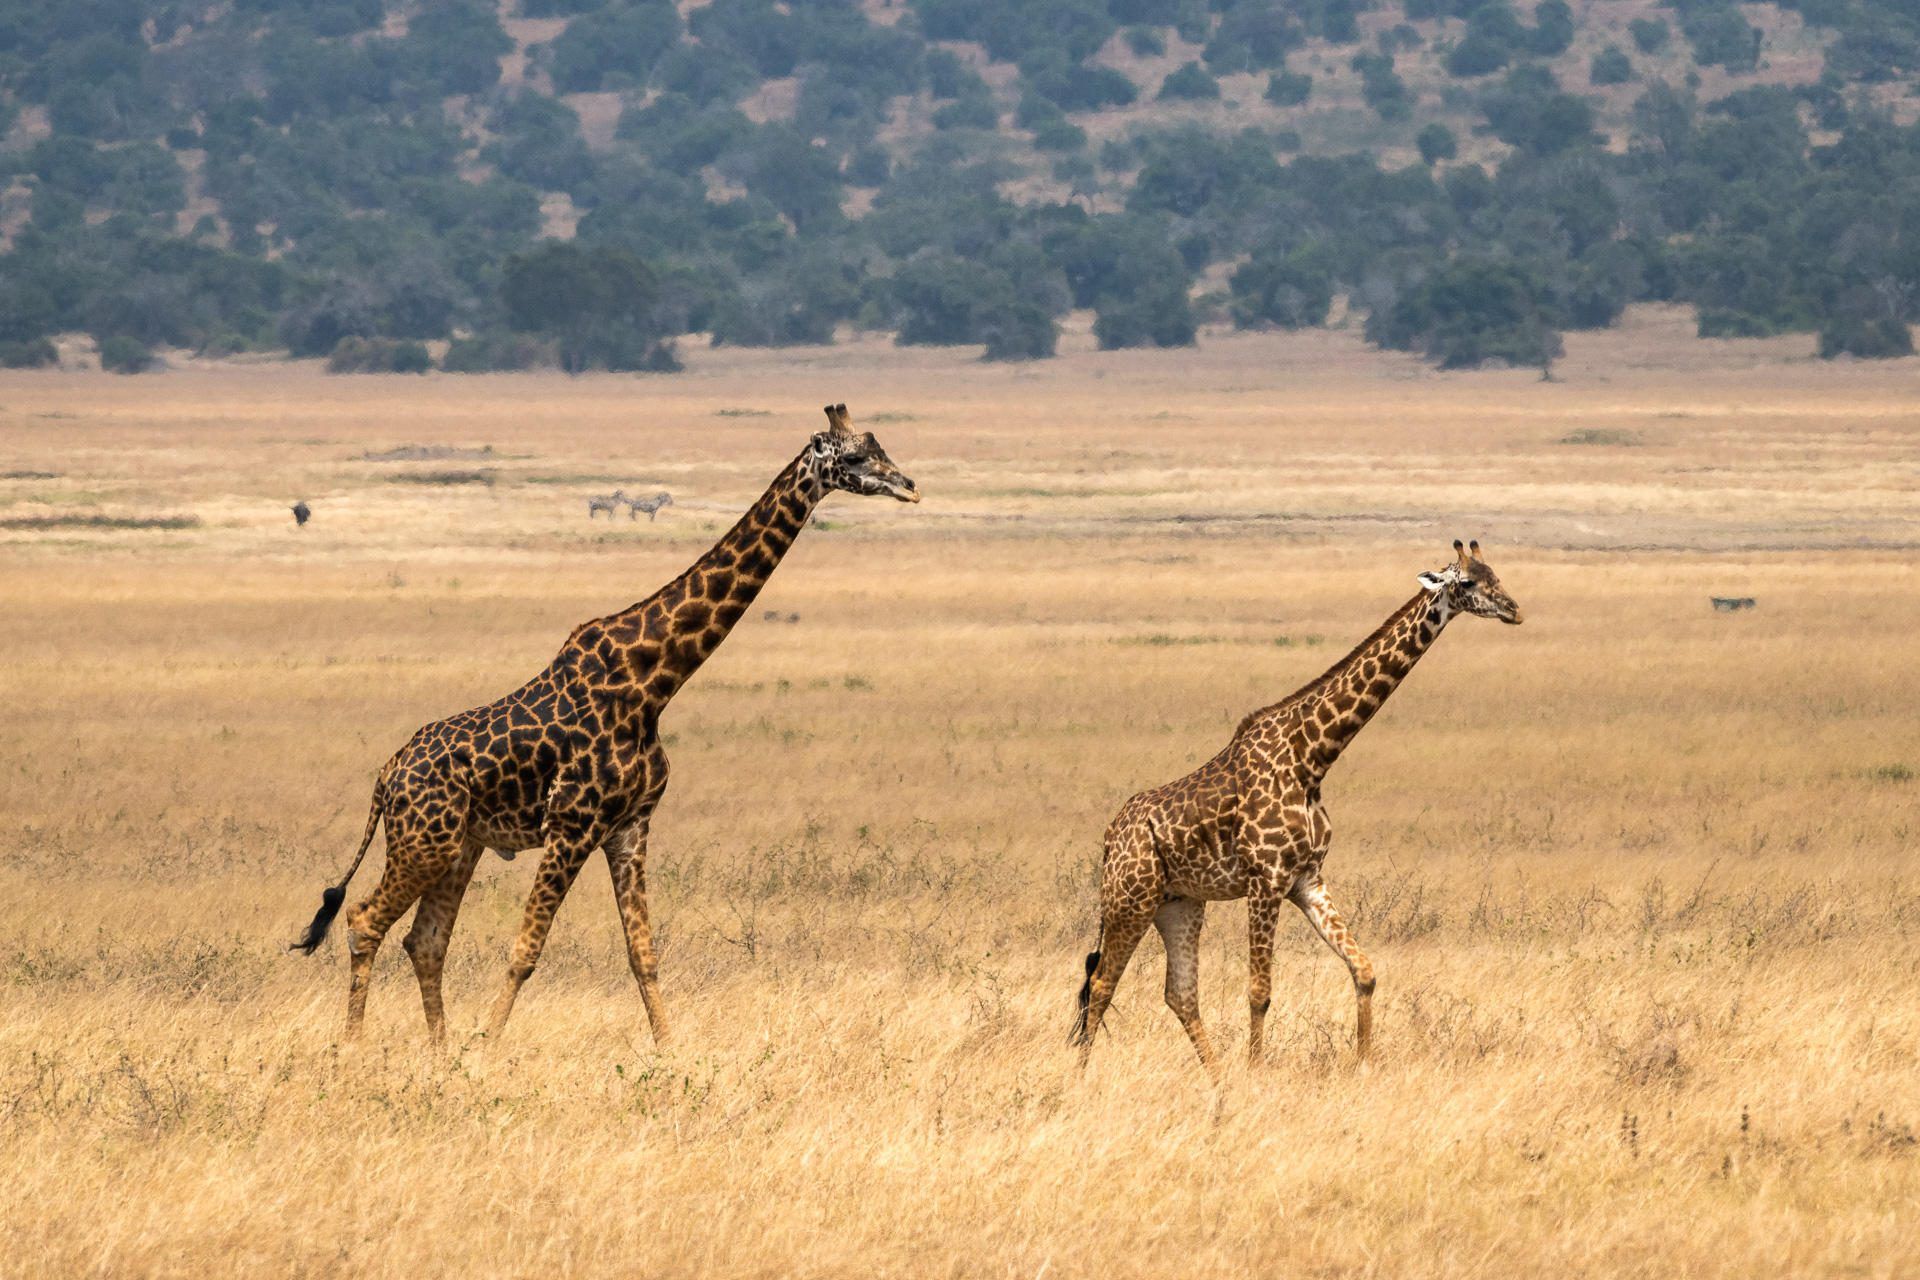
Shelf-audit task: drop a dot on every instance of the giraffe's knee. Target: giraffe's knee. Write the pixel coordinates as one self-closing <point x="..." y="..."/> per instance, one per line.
<point x="418" y="945"/>
<point x="362" y="943"/>
<point x="1258" y="1005"/>
<point x="1363" y="979"/>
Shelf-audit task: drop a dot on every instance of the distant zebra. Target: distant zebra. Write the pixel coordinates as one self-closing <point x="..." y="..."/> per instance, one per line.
<point x="608" y="503"/>
<point x="649" y="505"/>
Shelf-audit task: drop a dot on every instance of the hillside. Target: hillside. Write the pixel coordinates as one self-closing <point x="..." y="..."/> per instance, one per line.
<point x="579" y="181"/>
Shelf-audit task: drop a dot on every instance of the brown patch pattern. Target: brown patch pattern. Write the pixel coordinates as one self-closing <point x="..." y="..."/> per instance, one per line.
<point x="1249" y="823"/>
<point x="572" y="759"/>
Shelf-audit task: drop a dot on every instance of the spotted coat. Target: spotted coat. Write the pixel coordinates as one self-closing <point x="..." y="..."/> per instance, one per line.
<point x="1249" y="823"/>
<point x="571" y="761"/>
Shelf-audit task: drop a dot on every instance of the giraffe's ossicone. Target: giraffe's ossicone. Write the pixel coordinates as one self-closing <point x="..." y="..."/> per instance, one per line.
<point x="1249" y="823"/>
<point x="572" y="760"/>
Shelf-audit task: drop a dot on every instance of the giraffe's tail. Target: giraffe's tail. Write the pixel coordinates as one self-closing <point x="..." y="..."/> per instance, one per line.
<point x="334" y="895"/>
<point x="1080" y="1033"/>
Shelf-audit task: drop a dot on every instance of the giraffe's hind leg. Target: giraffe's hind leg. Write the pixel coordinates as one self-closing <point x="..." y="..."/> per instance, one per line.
<point x="411" y="869"/>
<point x="1118" y="938"/>
<point x="1130" y="892"/>
<point x="426" y="941"/>
<point x="1311" y="897"/>
<point x="1179" y="921"/>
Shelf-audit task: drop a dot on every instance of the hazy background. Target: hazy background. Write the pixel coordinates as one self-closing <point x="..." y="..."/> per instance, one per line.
<point x="581" y="182"/>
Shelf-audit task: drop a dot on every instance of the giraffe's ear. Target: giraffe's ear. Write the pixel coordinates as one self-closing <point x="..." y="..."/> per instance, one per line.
<point x="1432" y="581"/>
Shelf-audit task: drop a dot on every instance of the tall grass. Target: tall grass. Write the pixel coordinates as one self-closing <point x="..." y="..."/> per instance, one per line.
<point x="1638" y="888"/>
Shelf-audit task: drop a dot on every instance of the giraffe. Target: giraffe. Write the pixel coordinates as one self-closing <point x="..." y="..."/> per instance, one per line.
<point x="572" y="760"/>
<point x="1249" y="823"/>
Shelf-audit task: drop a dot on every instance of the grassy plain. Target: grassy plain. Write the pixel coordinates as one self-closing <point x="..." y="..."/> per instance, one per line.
<point x="1637" y="877"/>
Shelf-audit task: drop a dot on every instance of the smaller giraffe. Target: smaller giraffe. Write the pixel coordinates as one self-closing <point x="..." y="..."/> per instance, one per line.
<point x="1249" y="823"/>
<point x="609" y="503"/>
<point x="649" y="505"/>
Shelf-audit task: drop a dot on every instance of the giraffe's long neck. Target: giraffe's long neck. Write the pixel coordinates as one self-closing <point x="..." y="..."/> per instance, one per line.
<point x="1339" y="704"/>
<point x="675" y="630"/>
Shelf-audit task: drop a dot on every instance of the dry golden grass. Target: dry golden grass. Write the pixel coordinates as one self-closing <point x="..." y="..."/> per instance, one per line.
<point x="1636" y="876"/>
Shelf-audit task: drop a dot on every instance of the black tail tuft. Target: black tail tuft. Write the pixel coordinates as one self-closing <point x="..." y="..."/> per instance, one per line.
<point x="329" y="908"/>
<point x="1086" y="995"/>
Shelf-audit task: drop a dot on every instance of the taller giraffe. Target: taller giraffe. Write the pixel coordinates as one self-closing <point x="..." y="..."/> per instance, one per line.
<point x="1249" y="823"/>
<point x="572" y="759"/>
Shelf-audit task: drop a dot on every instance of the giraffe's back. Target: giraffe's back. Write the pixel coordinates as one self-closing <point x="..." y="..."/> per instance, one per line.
<point x="1179" y="839"/>
<point x="1209" y="833"/>
<point x="500" y="759"/>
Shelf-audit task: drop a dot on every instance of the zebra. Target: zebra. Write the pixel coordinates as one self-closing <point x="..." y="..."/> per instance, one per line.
<point x="649" y="505"/>
<point x="608" y="503"/>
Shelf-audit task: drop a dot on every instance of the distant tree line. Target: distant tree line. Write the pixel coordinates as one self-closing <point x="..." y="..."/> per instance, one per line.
<point x="309" y="175"/>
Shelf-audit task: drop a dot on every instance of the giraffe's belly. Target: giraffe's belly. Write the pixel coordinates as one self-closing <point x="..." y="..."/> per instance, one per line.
<point x="506" y="838"/>
<point x="1222" y="887"/>
<point x="1206" y="865"/>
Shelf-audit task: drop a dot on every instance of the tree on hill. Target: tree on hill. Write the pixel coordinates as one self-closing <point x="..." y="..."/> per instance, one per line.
<point x="1382" y="88"/>
<point x="629" y="39"/>
<point x="1528" y="110"/>
<point x="1650" y="35"/>
<point x="121" y="354"/>
<point x="1190" y="83"/>
<point x="370" y="187"/>
<point x="1552" y="30"/>
<point x="1470" y="311"/>
<point x="1290" y="289"/>
<point x="599" y="305"/>
<point x="1436" y="143"/>
<point x="1288" y="88"/>
<point x="1610" y="66"/>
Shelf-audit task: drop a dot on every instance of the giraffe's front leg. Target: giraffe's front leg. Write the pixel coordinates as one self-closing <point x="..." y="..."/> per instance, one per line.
<point x="1263" y="917"/>
<point x="565" y="855"/>
<point x="1312" y="899"/>
<point x="627" y="860"/>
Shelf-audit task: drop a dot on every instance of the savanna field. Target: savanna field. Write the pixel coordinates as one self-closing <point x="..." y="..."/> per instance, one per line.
<point x="1637" y="877"/>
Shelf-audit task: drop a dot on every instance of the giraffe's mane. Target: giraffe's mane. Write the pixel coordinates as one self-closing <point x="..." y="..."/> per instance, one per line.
<point x="1318" y="685"/>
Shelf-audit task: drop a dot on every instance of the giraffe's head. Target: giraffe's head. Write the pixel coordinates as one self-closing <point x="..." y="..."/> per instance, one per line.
<point x="855" y="462"/>
<point x="1468" y="585"/>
